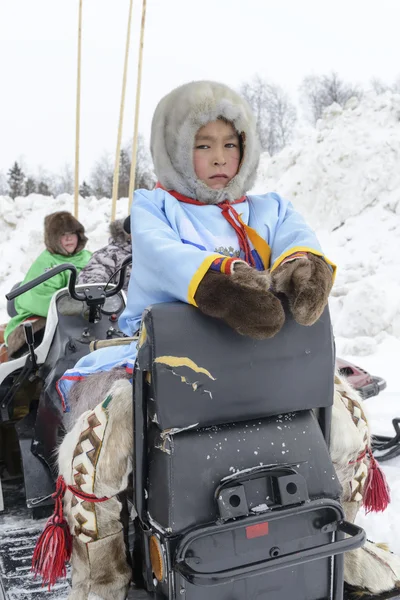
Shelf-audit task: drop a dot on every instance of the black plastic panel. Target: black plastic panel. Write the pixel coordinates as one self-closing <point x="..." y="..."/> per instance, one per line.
<point x="185" y="469"/>
<point x="204" y="372"/>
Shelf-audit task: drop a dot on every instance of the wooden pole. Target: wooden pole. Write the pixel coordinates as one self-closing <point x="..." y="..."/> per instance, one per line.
<point x="121" y="119"/>
<point x="78" y="115"/>
<point x="137" y="107"/>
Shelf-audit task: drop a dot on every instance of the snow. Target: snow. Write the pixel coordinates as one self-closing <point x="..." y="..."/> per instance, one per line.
<point x="344" y="177"/>
<point x="260" y="508"/>
<point x="345" y="165"/>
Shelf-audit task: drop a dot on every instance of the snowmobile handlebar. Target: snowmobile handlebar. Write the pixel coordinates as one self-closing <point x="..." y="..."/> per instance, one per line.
<point x="72" y="282"/>
<point x="47" y="275"/>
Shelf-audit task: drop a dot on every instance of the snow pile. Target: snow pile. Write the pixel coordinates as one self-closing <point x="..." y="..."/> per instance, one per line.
<point x="365" y="301"/>
<point x="344" y="178"/>
<point x="348" y="163"/>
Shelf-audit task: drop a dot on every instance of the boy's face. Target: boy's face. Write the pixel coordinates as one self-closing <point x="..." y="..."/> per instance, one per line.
<point x="69" y="242"/>
<point x="216" y="154"/>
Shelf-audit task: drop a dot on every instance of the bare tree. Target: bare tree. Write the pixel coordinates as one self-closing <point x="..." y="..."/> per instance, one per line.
<point x="255" y="94"/>
<point x="283" y="118"/>
<point x="3" y="184"/>
<point x="275" y="113"/>
<point x="64" y="180"/>
<point x="320" y="91"/>
<point x="101" y="180"/>
<point x="144" y="173"/>
<point x="380" y="87"/>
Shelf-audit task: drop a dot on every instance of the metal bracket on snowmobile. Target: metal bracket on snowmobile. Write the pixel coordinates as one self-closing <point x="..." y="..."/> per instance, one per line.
<point x="185" y="557"/>
<point x="284" y="486"/>
<point x="94" y="298"/>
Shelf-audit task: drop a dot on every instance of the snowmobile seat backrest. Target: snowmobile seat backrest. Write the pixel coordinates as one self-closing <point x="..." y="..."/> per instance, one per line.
<point x="204" y="373"/>
<point x="10" y="303"/>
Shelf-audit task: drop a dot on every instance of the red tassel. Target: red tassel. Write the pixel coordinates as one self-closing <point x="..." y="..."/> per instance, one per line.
<point x="376" y="492"/>
<point x="54" y="546"/>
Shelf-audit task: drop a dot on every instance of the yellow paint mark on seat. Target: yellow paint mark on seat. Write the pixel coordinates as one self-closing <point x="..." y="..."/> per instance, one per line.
<point x="182" y="361"/>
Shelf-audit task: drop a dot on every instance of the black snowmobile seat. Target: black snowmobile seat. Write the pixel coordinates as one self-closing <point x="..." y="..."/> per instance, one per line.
<point x="207" y="374"/>
<point x="232" y="473"/>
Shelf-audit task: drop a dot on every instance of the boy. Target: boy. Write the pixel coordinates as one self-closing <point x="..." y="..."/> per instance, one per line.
<point x="65" y="240"/>
<point x="198" y="238"/>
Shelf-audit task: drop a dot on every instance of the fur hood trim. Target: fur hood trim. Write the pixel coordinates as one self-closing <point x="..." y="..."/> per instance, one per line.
<point x="118" y="233"/>
<point x="58" y="223"/>
<point x="179" y="116"/>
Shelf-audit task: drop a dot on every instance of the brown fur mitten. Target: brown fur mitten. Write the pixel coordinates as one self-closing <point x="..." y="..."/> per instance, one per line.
<point x="243" y="301"/>
<point x="307" y="283"/>
<point x="249" y="277"/>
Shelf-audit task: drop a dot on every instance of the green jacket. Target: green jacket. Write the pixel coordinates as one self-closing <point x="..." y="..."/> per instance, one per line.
<point x="36" y="302"/>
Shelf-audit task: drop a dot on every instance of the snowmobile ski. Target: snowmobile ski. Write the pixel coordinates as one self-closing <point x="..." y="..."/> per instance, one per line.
<point x="385" y="447"/>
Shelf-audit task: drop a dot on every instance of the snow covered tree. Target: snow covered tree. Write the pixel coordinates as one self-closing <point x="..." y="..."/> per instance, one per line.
<point x="275" y="113"/>
<point x="30" y="186"/>
<point x="124" y="174"/>
<point x="317" y="92"/>
<point x="16" y="178"/>
<point x="85" y="190"/>
<point x="45" y="181"/>
<point x="44" y="189"/>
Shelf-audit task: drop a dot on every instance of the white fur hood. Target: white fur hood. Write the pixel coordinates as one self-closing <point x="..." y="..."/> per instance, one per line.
<point x="179" y="116"/>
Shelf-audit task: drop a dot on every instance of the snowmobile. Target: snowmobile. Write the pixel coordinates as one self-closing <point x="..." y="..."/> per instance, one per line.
<point x="78" y="316"/>
<point x="234" y="492"/>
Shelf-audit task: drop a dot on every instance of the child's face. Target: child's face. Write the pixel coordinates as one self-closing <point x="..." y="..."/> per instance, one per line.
<point x="216" y="154"/>
<point x="69" y="242"/>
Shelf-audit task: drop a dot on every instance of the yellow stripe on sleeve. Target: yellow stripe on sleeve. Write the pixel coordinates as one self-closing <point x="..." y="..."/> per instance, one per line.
<point x="198" y="276"/>
<point x="304" y="249"/>
<point x="223" y="264"/>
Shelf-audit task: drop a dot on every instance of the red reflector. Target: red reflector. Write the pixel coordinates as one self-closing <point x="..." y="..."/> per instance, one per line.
<point x="255" y="531"/>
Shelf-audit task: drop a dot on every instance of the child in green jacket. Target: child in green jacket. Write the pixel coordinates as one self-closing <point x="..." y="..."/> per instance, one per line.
<point x="65" y="240"/>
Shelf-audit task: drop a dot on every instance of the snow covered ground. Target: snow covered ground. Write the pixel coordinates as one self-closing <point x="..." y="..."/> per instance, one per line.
<point x="344" y="177"/>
